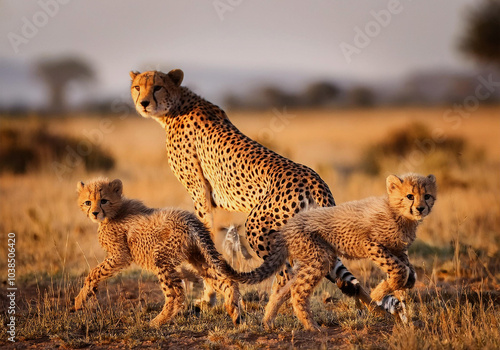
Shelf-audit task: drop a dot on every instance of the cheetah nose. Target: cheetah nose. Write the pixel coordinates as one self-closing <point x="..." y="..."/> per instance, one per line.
<point x="420" y="209"/>
<point x="144" y="103"/>
<point x="95" y="213"/>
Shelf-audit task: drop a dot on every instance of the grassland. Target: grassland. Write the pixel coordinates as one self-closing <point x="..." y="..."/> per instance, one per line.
<point x="456" y="301"/>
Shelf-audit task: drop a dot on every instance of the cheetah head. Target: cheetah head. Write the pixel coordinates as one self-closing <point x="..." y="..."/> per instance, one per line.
<point x="100" y="199"/>
<point x="156" y="94"/>
<point x="412" y="196"/>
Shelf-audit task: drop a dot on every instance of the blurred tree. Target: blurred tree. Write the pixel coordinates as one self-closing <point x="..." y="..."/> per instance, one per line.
<point x="361" y="96"/>
<point x="321" y="93"/>
<point x="58" y="73"/>
<point x="482" y="36"/>
<point x="272" y="96"/>
<point x="231" y="101"/>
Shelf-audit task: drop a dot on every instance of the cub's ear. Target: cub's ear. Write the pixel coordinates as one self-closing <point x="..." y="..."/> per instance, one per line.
<point x="79" y="186"/>
<point x="116" y="186"/>
<point x="393" y="182"/>
<point x="176" y="75"/>
<point x="133" y="74"/>
<point x="432" y="178"/>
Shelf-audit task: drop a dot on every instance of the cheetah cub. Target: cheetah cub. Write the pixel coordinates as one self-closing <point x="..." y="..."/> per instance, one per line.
<point x="159" y="240"/>
<point x="380" y="229"/>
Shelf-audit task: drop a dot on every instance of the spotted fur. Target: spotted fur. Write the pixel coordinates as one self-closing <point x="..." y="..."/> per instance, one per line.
<point x="221" y="167"/>
<point x="380" y="229"/>
<point x="159" y="240"/>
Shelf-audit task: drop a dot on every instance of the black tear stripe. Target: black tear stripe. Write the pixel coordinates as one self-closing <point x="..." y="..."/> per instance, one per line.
<point x="138" y="95"/>
<point x="154" y="98"/>
<point x="100" y="204"/>
<point x="154" y="92"/>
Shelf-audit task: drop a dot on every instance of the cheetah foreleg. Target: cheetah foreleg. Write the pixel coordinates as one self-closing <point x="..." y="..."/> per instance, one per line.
<point x="412" y="277"/>
<point x="399" y="276"/>
<point x="203" y="205"/>
<point x="109" y="267"/>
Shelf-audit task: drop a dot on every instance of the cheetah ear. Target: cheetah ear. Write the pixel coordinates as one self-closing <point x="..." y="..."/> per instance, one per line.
<point x="393" y="182"/>
<point x="133" y="74"/>
<point x="79" y="186"/>
<point x="432" y="178"/>
<point x="176" y="75"/>
<point x="116" y="186"/>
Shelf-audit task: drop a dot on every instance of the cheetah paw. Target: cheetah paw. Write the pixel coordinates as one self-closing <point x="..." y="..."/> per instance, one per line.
<point x="394" y="306"/>
<point x="268" y="324"/>
<point x="157" y="322"/>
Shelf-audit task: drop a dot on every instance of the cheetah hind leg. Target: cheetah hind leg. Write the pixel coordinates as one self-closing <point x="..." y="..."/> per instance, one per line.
<point x="307" y="278"/>
<point x="173" y="291"/>
<point x="279" y="294"/>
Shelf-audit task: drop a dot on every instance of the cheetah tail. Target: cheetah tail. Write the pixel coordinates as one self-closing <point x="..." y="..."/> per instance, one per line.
<point x="274" y="261"/>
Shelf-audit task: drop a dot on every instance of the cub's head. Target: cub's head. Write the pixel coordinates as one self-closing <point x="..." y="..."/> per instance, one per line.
<point x="412" y="195"/>
<point x="155" y="94"/>
<point x="100" y="199"/>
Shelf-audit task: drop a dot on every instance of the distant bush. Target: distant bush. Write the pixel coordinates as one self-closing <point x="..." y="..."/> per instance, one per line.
<point x="32" y="148"/>
<point x="415" y="146"/>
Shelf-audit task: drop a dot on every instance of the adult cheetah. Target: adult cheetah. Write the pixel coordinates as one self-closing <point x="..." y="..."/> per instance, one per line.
<point x="221" y="167"/>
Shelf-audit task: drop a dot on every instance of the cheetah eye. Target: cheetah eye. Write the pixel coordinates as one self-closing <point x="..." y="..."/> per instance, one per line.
<point x="137" y="87"/>
<point x="410" y="197"/>
<point x="87" y="203"/>
<point x="104" y="201"/>
<point x="427" y="197"/>
<point x="156" y="88"/>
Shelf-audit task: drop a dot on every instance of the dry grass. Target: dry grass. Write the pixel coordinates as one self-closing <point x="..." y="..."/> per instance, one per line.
<point x="455" y="303"/>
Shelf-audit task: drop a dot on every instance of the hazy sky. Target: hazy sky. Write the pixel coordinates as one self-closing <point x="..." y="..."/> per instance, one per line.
<point x="213" y="41"/>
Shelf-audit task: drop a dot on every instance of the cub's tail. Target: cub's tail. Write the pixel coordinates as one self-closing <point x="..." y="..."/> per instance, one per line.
<point x="272" y="264"/>
<point x="274" y="261"/>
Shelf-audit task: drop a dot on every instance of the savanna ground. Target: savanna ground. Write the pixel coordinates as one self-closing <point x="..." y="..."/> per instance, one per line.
<point x="456" y="300"/>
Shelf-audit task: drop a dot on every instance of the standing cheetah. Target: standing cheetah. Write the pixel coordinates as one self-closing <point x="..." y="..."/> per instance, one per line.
<point x="160" y="240"/>
<point x="221" y="167"/>
<point x="378" y="228"/>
